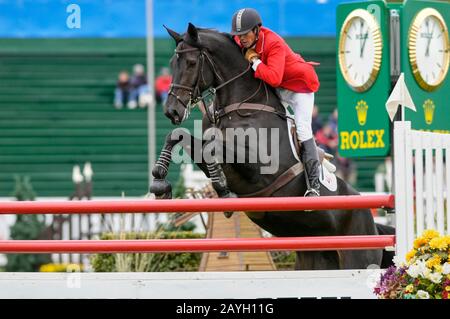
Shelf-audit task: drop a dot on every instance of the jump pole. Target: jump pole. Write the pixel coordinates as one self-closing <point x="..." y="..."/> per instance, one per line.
<point x="199" y="205"/>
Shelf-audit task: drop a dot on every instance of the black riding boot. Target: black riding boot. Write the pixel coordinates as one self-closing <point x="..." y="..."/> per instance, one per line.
<point x="310" y="160"/>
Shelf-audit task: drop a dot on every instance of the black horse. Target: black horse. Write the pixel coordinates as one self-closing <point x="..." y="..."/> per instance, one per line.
<point x="210" y="70"/>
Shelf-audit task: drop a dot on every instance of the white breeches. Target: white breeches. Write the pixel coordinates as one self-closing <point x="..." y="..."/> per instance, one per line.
<point x="302" y="104"/>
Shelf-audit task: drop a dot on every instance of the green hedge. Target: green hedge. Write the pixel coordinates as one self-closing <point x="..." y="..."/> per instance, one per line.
<point x="158" y="262"/>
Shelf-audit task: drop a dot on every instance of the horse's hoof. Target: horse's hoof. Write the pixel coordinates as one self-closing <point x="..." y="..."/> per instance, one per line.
<point x="161" y="188"/>
<point x="228" y="214"/>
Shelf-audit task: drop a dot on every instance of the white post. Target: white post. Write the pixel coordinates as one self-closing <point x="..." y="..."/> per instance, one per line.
<point x="400" y="129"/>
<point x="439" y="179"/>
<point x="418" y="146"/>
<point x="150" y="80"/>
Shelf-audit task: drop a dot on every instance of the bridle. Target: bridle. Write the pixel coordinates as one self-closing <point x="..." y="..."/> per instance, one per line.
<point x="207" y="97"/>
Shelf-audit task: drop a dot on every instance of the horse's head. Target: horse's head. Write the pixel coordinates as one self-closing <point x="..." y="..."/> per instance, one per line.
<point x="192" y="70"/>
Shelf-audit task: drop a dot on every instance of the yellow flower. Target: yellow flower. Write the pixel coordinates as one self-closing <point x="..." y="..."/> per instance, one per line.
<point x="409" y="288"/>
<point x="434" y="261"/>
<point x="438" y="268"/>
<point x="438" y="243"/>
<point x="419" y="242"/>
<point x="447" y="288"/>
<point x="410" y="254"/>
<point x="430" y="234"/>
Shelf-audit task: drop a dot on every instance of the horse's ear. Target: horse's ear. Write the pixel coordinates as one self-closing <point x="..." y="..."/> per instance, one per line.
<point x="176" y="36"/>
<point x="192" y="32"/>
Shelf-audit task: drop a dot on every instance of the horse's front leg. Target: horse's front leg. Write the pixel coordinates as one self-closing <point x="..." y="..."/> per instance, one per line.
<point x="160" y="186"/>
<point x="192" y="147"/>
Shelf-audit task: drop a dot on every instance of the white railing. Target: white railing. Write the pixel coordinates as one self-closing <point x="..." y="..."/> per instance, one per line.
<point x="422" y="178"/>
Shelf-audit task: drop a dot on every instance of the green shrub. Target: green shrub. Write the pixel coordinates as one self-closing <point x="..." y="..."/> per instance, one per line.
<point x="26" y="227"/>
<point x="142" y="262"/>
<point x="284" y="260"/>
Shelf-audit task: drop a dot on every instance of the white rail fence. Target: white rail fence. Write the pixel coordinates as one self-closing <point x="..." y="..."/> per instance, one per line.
<point x="421" y="183"/>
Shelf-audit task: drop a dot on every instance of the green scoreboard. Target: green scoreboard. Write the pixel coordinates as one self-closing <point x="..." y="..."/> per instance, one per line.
<point x="376" y="42"/>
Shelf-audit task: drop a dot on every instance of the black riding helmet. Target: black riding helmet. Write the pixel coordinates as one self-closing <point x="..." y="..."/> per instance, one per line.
<point x="244" y="21"/>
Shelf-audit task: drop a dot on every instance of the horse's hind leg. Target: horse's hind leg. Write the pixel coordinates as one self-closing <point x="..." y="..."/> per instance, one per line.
<point x="317" y="260"/>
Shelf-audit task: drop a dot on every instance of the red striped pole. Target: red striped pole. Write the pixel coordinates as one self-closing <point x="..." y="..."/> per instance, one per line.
<point x="198" y="245"/>
<point x="199" y="205"/>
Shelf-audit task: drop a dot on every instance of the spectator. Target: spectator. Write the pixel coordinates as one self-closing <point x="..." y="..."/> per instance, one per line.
<point x="162" y="85"/>
<point x="139" y="87"/>
<point x="316" y="122"/>
<point x="327" y="139"/>
<point x="333" y="120"/>
<point x="122" y="92"/>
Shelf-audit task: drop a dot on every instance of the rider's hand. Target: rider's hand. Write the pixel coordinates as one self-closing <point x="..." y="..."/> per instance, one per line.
<point x="251" y="54"/>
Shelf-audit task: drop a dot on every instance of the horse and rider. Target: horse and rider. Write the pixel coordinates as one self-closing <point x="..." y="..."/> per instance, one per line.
<point x="247" y="79"/>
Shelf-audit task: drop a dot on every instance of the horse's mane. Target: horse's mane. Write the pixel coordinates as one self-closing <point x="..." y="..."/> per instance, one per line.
<point x="217" y="36"/>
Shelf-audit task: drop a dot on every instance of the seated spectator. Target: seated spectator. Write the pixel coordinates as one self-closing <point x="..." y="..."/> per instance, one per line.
<point x="162" y="85"/>
<point x="139" y="87"/>
<point x="333" y="120"/>
<point x="316" y="121"/>
<point x="327" y="139"/>
<point x="122" y="92"/>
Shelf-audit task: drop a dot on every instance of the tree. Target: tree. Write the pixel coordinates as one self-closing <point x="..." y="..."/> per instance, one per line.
<point x="26" y="227"/>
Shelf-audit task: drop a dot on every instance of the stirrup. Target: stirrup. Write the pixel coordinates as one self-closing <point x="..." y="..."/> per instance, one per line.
<point x="311" y="192"/>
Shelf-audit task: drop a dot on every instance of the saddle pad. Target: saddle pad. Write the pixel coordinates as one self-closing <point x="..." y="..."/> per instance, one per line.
<point x="328" y="179"/>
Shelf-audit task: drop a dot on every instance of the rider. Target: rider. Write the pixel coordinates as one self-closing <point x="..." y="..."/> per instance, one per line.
<point x="295" y="81"/>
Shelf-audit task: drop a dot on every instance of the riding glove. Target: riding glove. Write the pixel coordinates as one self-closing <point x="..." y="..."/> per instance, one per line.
<point x="251" y="54"/>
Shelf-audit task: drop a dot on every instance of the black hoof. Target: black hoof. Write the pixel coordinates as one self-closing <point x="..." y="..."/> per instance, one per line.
<point x="228" y="214"/>
<point x="161" y="188"/>
<point x="229" y="194"/>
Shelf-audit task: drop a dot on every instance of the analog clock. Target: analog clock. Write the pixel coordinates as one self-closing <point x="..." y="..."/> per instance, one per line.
<point x="428" y="46"/>
<point x="360" y="50"/>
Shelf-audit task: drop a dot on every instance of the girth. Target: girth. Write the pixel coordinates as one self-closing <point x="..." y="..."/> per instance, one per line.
<point x="282" y="180"/>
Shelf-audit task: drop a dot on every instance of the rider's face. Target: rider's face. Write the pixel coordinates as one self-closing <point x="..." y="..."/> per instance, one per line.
<point x="247" y="39"/>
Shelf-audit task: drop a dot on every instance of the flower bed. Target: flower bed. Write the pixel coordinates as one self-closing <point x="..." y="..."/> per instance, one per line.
<point x="424" y="275"/>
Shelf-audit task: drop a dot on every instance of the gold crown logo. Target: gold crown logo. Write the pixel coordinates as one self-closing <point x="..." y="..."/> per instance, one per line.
<point x="428" y="108"/>
<point x="361" y="112"/>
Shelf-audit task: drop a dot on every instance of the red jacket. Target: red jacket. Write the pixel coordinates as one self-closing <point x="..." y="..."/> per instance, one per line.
<point x="281" y="67"/>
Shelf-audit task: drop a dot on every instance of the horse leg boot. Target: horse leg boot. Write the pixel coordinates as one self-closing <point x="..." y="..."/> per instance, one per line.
<point x="160" y="186"/>
<point x="310" y="160"/>
<point x="219" y="183"/>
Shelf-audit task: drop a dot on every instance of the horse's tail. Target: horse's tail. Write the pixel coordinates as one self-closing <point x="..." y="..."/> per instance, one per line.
<point x="387" y="255"/>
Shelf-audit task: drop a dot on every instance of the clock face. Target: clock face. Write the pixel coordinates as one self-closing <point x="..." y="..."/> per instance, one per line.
<point x="360" y="49"/>
<point x="429" y="49"/>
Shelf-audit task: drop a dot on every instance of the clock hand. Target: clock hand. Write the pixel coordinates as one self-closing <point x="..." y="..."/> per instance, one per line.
<point x="427" y="51"/>
<point x="364" y="44"/>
